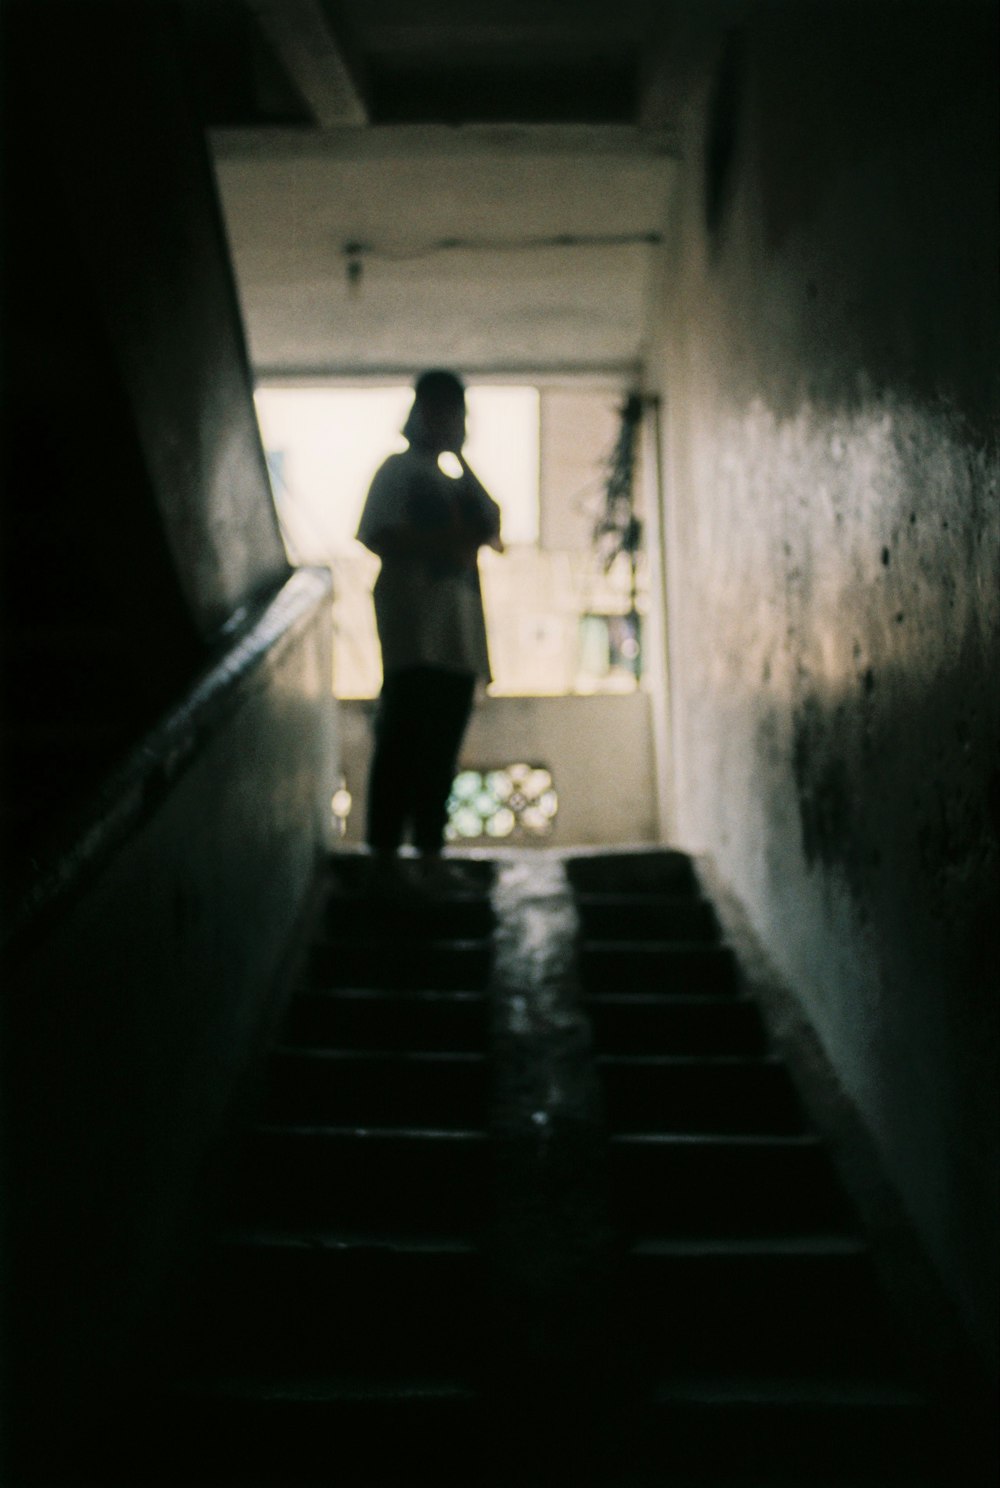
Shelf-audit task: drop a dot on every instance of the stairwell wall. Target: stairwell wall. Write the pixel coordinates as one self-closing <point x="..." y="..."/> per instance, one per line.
<point x="137" y="518"/>
<point x="140" y="550"/>
<point x="121" y="140"/>
<point x="137" y="1004"/>
<point x="828" y="361"/>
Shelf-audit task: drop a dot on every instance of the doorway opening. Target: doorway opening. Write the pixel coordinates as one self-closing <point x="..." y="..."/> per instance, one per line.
<point x="564" y="604"/>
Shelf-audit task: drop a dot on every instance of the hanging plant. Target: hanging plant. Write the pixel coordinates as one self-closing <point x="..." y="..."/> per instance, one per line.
<point x="617" y="529"/>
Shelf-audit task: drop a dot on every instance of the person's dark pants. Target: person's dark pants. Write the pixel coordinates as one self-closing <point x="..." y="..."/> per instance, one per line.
<point x="422" y="714"/>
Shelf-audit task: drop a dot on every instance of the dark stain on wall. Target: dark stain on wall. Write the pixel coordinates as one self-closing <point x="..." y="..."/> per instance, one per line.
<point x="822" y="786"/>
<point x="724" y="115"/>
<point x="859" y="84"/>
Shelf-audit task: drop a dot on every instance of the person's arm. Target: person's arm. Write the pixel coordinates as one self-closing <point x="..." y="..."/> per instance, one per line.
<point x="455" y="542"/>
<point x="446" y="541"/>
<point x="487" y="513"/>
<point x="468" y="520"/>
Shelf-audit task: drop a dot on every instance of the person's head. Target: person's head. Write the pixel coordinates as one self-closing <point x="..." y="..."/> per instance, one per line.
<point x="437" y="419"/>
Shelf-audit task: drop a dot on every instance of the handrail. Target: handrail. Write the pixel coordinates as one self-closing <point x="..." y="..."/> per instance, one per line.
<point x="130" y="793"/>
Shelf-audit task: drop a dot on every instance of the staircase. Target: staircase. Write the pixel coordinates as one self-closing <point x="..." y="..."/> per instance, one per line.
<point x="761" y="1349"/>
<point x="530" y="1202"/>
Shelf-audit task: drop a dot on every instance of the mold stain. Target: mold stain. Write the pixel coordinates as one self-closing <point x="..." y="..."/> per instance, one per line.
<point x="822" y="788"/>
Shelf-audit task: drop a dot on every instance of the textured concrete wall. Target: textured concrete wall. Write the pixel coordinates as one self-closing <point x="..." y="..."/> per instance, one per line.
<point x="151" y="229"/>
<point x="137" y="514"/>
<point x="130" y="1027"/>
<point x="113" y="140"/>
<point x="137" y="523"/>
<point x="829" y="366"/>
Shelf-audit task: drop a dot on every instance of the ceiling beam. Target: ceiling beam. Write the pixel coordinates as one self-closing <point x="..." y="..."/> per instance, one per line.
<point x="314" y="58"/>
<point x="544" y="373"/>
<point x="401" y="142"/>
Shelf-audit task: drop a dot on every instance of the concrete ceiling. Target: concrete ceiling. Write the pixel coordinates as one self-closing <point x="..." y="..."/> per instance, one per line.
<point x="479" y="184"/>
<point x="386" y="249"/>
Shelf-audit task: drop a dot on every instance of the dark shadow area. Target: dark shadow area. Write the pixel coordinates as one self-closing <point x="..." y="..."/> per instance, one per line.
<point x="508" y="1183"/>
<point x="483" y="1226"/>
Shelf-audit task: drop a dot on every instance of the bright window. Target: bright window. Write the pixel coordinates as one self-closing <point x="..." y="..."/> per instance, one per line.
<point x="332" y="440"/>
<point x="560" y="619"/>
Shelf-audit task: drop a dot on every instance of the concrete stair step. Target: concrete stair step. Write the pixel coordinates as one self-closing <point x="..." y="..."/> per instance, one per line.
<point x="699" y="1432"/>
<point x="366" y="1018"/>
<point x="607" y="966"/>
<point x="280" y="1300"/>
<point x="273" y="1301"/>
<point x="348" y="874"/>
<point x="330" y="1386"/>
<point x="703" y="1023"/>
<point x="365" y="1181"/>
<point x="784" y="1432"/>
<point x="669" y="1185"/>
<point x="444" y="1091"/>
<point x="378" y="1089"/>
<point x="653" y="872"/>
<point x="656" y="917"/>
<point x="269" y="1430"/>
<point x="459" y="916"/>
<point x="809" y="1308"/>
<point x="395" y="962"/>
<point x="698" y="1093"/>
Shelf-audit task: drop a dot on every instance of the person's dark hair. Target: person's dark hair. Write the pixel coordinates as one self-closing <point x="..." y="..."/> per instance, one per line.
<point x="436" y="394"/>
<point x="439" y="387"/>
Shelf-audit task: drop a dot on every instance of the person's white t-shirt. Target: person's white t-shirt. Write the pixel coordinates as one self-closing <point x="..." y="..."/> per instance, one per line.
<point x="427" y="613"/>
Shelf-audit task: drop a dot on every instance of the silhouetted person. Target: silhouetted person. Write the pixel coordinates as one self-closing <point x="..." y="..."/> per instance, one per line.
<point x="427" y="528"/>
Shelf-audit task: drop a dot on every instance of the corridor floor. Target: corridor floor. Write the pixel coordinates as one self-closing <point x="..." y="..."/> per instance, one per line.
<point x="531" y="1202"/>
